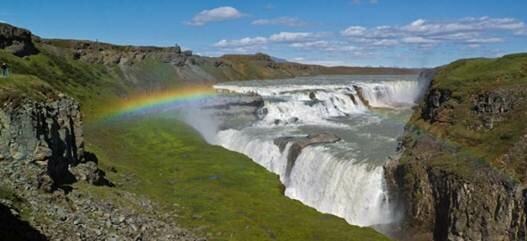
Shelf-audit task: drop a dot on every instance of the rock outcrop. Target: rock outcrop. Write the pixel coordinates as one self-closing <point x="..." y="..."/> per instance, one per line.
<point x="17" y="41"/>
<point x="47" y="134"/>
<point x="440" y="205"/>
<point x="42" y="148"/>
<point x="360" y="94"/>
<point x="297" y="144"/>
<point x="107" y="54"/>
<point x="461" y="173"/>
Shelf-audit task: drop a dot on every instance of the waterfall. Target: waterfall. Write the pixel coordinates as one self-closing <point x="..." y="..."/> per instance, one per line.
<point x="343" y="178"/>
<point x="354" y="191"/>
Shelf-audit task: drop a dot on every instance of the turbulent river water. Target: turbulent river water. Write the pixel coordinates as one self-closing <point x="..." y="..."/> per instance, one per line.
<point x="366" y="114"/>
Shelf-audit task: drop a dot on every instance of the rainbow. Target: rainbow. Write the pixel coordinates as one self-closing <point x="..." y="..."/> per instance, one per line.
<point x="158" y="101"/>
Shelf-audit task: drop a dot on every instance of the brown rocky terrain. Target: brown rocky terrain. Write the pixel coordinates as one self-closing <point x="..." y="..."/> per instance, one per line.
<point x="42" y="155"/>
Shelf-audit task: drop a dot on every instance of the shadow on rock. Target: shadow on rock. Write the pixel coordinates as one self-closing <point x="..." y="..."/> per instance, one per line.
<point x="14" y="229"/>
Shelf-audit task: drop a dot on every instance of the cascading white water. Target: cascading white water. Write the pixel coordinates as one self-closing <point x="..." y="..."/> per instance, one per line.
<point x="343" y="178"/>
<point x="313" y="107"/>
<point x="354" y="191"/>
<point x="321" y="180"/>
<point x="392" y="94"/>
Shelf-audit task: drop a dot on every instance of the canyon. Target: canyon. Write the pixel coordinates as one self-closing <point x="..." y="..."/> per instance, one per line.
<point x="440" y="156"/>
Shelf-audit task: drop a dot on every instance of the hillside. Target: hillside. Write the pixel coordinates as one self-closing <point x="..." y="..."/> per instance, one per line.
<point x="93" y="72"/>
<point x="67" y="176"/>
<point x="463" y="171"/>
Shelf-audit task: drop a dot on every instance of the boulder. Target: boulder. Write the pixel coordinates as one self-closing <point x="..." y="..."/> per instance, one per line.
<point x="47" y="134"/>
<point x="299" y="143"/>
<point x="16" y="40"/>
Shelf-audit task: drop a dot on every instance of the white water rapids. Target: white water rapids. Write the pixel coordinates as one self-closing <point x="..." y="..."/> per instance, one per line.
<point x="344" y="178"/>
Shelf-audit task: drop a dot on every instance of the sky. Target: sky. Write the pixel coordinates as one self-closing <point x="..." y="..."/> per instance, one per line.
<point x="409" y="33"/>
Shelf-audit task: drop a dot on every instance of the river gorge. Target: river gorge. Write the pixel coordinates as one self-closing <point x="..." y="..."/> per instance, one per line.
<point x="326" y="137"/>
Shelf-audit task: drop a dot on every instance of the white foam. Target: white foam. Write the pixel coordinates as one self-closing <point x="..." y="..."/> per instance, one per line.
<point x="334" y="183"/>
<point x="344" y="188"/>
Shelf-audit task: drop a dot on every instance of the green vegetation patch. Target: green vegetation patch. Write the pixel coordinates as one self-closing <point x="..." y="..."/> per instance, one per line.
<point x="221" y="192"/>
<point x="469" y="76"/>
<point x="474" y="146"/>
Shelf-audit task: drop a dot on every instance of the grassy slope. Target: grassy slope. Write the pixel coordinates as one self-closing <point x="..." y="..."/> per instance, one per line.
<point x="478" y="148"/>
<point x="234" y="198"/>
<point x="169" y="162"/>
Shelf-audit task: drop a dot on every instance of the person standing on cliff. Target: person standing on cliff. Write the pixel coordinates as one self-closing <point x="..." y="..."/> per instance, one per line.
<point x="5" y="70"/>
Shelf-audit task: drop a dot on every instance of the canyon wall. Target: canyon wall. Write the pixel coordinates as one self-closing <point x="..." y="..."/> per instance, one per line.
<point x="461" y="173"/>
<point x="42" y="141"/>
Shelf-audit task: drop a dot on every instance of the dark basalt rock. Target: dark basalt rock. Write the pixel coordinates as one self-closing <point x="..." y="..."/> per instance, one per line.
<point x="16" y="40"/>
<point x="433" y="103"/>
<point x="441" y="206"/>
<point x="312" y="96"/>
<point x="470" y="199"/>
<point x="13" y="228"/>
<point x="490" y="106"/>
<point x="360" y="94"/>
<point x="299" y="143"/>
<point x="48" y="135"/>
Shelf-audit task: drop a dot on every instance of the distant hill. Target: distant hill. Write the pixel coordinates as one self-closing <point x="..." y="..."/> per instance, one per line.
<point x="94" y="71"/>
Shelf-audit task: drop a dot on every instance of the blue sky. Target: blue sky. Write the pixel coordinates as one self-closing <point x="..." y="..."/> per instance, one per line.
<point x="411" y="33"/>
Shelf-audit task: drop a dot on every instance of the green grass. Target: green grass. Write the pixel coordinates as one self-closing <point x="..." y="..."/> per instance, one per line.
<point x="479" y="147"/>
<point x="223" y="192"/>
<point x="469" y="76"/>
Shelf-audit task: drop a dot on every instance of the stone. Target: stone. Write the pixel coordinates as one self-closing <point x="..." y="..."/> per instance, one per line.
<point x="49" y="134"/>
<point x="299" y="143"/>
<point x="16" y="40"/>
<point x="88" y="172"/>
<point x="46" y="183"/>
<point x="442" y="204"/>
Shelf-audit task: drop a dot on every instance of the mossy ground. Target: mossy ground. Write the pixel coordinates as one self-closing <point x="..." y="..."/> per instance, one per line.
<point x="477" y="147"/>
<point x="222" y="192"/>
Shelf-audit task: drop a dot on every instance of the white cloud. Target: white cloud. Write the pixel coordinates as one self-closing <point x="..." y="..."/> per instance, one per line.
<point x="328" y="46"/>
<point x="418" y="40"/>
<point x="482" y="30"/>
<point x="463" y="25"/>
<point x="293" y="36"/>
<point x="323" y="62"/>
<point x="385" y="42"/>
<point x="215" y="15"/>
<point x="354" y="31"/>
<point x="282" y="37"/>
<point x="241" y="42"/>
<point x="282" y="21"/>
<point x="484" y="40"/>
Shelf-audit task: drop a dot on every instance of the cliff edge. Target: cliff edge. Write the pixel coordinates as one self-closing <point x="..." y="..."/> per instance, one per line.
<point x="463" y="168"/>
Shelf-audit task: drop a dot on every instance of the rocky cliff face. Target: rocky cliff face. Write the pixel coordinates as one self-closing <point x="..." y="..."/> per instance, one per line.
<point x="16" y="40"/>
<point x="440" y="205"/>
<point x="456" y="179"/>
<point x="42" y="149"/>
<point x="46" y="136"/>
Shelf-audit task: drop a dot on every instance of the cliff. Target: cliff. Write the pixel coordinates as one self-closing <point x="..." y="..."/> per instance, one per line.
<point x="462" y="170"/>
<point x="46" y="190"/>
<point x="47" y="137"/>
<point x="43" y="164"/>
